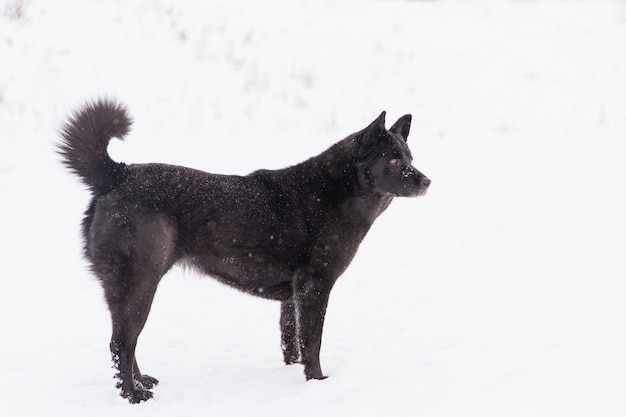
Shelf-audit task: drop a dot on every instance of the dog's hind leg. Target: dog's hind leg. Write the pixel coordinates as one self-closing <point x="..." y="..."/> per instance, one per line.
<point x="290" y="341"/>
<point x="129" y="318"/>
<point x="130" y="260"/>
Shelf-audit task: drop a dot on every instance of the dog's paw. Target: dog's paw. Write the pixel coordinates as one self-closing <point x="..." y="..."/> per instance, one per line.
<point x="136" y="395"/>
<point x="316" y="378"/>
<point x="314" y="374"/>
<point x="147" y="382"/>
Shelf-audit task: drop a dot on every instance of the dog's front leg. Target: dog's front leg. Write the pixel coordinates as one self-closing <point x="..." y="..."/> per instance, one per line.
<point x="311" y="294"/>
<point x="290" y="341"/>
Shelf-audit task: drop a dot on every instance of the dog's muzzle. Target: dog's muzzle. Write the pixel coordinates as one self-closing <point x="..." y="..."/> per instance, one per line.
<point x="408" y="171"/>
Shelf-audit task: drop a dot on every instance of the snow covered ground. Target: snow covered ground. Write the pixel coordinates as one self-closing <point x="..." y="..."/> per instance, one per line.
<point x="502" y="292"/>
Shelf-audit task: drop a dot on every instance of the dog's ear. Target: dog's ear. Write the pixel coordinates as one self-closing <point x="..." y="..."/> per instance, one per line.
<point x="378" y="125"/>
<point x="402" y="126"/>
<point x="370" y="136"/>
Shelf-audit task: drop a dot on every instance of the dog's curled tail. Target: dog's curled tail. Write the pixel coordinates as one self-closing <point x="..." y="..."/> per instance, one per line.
<point x="85" y="138"/>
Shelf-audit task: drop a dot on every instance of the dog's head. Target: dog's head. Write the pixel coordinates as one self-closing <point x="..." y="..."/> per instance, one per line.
<point x="384" y="161"/>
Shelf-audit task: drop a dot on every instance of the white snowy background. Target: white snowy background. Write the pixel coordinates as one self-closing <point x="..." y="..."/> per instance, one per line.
<point x="502" y="292"/>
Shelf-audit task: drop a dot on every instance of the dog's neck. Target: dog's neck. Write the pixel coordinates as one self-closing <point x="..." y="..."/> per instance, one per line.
<point x="329" y="181"/>
<point x="337" y="180"/>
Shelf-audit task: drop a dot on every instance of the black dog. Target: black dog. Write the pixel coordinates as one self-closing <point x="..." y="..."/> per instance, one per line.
<point x="285" y="235"/>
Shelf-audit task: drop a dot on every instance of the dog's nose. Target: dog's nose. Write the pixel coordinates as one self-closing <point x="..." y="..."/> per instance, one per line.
<point x="426" y="182"/>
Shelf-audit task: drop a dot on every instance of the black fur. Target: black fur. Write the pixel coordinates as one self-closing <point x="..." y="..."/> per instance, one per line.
<point x="285" y="235"/>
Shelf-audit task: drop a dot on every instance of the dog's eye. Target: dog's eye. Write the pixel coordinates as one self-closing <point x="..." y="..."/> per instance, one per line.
<point x="394" y="162"/>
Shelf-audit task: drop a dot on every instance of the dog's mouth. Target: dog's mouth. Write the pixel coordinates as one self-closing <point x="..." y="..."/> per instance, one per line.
<point x="418" y="182"/>
<point x="422" y="187"/>
<point x="411" y="192"/>
<point x="425" y="186"/>
<point x="421" y="192"/>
